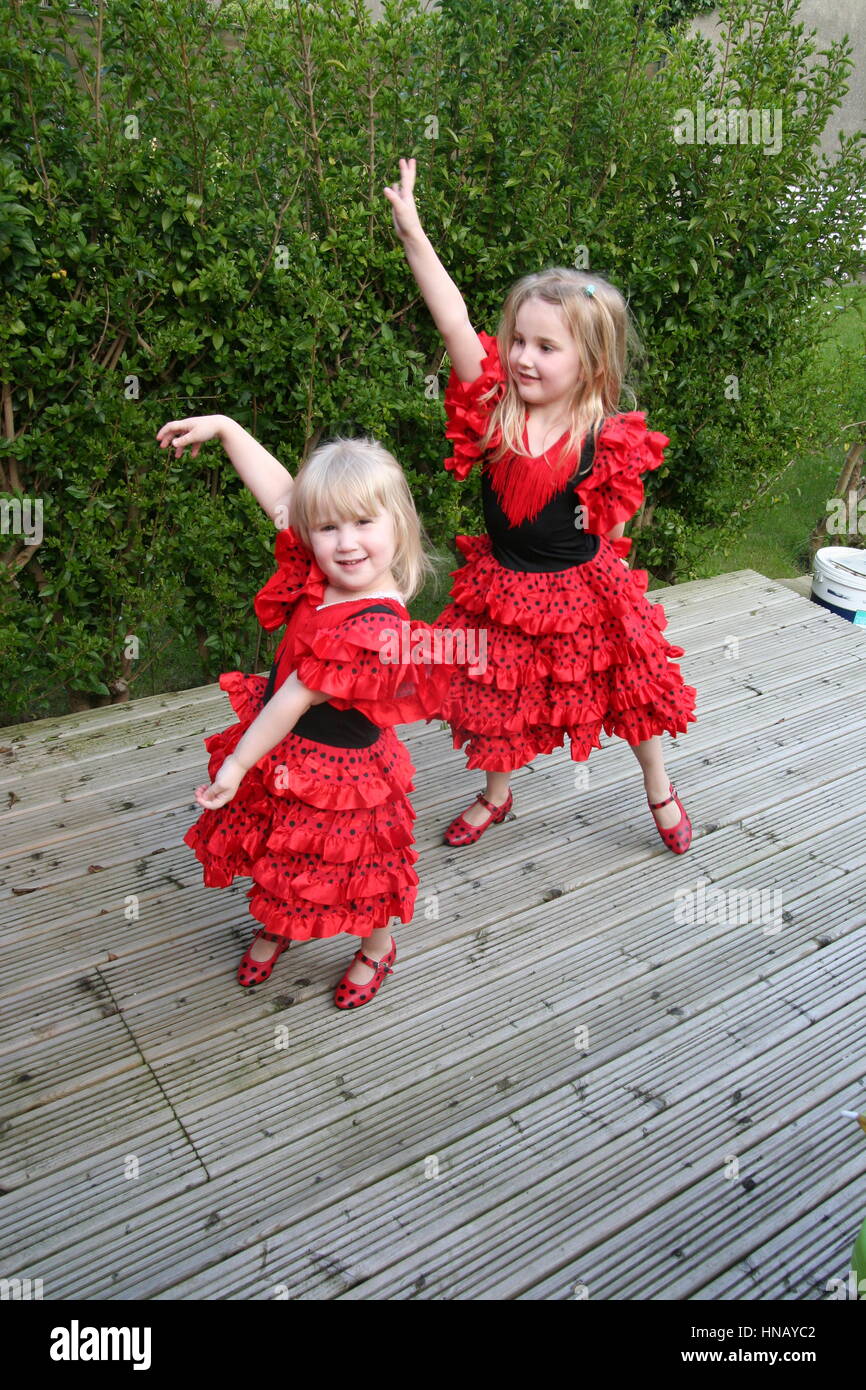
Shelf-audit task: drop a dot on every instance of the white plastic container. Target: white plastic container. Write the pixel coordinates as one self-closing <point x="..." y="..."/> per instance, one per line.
<point x="839" y="582"/>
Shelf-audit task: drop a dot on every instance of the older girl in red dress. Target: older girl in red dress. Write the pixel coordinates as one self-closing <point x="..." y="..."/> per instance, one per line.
<point x="572" y="644"/>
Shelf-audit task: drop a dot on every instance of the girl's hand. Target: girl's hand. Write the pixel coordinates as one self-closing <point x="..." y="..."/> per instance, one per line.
<point x="223" y="787"/>
<point x="399" y="195"/>
<point x="195" y="430"/>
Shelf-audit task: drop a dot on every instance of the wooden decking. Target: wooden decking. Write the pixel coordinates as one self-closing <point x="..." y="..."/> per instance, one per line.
<point x="167" y="1134"/>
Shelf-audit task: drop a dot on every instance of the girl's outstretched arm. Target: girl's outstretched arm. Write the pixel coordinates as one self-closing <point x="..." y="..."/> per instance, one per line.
<point x="443" y="298"/>
<point x="279" y="717"/>
<point x="267" y="479"/>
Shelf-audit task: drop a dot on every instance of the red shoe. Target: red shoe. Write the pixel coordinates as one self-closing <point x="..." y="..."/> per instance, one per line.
<point x="255" y="972"/>
<point x="346" y="989"/>
<point x="460" y="832"/>
<point x="677" y="837"/>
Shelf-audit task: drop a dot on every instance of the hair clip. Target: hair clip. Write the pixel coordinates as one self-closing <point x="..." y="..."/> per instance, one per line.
<point x="589" y="289"/>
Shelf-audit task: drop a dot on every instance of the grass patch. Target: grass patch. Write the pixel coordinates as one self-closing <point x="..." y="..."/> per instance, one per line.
<point x="775" y="540"/>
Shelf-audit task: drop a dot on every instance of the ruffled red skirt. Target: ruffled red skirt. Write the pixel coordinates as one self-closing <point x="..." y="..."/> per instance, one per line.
<point x="326" y="834"/>
<point x="548" y="655"/>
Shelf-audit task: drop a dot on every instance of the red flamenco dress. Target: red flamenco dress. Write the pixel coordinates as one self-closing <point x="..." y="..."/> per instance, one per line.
<point x="322" y="823"/>
<point x="573" y="646"/>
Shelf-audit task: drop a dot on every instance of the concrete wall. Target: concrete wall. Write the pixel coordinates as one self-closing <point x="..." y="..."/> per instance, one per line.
<point x="831" y="19"/>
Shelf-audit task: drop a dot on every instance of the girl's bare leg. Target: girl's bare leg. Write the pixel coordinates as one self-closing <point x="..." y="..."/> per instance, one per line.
<point x="496" y="792"/>
<point x="656" y="780"/>
<point x="376" y="945"/>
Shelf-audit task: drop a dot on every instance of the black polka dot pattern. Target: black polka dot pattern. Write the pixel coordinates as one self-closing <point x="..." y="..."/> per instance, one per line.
<point x="569" y="653"/>
<point x="343" y="656"/>
<point x="613" y="491"/>
<point x="297" y="573"/>
<point x="325" y="833"/>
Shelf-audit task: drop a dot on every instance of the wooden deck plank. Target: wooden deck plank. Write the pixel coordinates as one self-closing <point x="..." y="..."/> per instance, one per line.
<point x="147" y="723"/>
<point x="216" y="1108"/>
<point x="690" y="1241"/>
<point x="566" y="915"/>
<point x="50" y="1009"/>
<point x="763" y="711"/>
<point x="47" y="1139"/>
<point x="66" y="1206"/>
<point x="500" y="1196"/>
<point x="35" y="1076"/>
<point x="160" y="878"/>
<point x="79" y="949"/>
<point x="621" y="1025"/>
<point x="30" y="828"/>
<point x="759" y="834"/>
<point x="526" y="1243"/>
<point x="821" y="1243"/>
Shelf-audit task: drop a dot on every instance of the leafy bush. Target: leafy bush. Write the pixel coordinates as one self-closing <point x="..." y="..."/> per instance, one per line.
<point x="192" y="220"/>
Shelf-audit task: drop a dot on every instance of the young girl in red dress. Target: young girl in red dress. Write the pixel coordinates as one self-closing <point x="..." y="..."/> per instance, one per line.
<point x="309" y="789"/>
<point x="573" y="645"/>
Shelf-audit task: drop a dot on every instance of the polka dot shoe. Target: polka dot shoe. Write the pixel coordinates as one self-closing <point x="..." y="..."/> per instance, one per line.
<point x="255" y="972"/>
<point x="348" y="995"/>
<point x="678" y="837"/>
<point x="461" y="832"/>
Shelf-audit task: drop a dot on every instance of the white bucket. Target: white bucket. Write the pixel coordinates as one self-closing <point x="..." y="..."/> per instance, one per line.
<point x="839" y="582"/>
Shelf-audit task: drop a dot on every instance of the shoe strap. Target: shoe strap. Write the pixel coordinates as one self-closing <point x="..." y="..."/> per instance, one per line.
<point x="262" y="935"/>
<point x="489" y="805"/>
<point x="377" y="964"/>
<point x="657" y="805"/>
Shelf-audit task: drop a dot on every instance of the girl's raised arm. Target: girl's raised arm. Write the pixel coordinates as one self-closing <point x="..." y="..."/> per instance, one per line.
<point x="443" y="298"/>
<point x="267" y="479"/>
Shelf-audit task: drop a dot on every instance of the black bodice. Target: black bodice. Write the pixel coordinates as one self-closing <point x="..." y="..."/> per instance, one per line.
<point x="552" y="540"/>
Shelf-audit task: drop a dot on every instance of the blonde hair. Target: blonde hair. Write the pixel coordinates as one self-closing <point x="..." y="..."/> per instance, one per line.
<point x="604" y="334"/>
<point x="346" y="478"/>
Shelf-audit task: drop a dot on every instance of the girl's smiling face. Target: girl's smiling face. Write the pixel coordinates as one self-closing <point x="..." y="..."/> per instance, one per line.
<point x="543" y="358"/>
<point x="356" y="554"/>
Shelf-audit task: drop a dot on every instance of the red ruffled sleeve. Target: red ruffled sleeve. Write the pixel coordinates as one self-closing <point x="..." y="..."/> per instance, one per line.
<point x="613" y="491"/>
<point x="468" y="417"/>
<point x="297" y="574"/>
<point x="386" y="665"/>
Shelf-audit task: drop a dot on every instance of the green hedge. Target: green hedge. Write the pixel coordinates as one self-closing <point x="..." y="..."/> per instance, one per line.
<point x="191" y="220"/>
